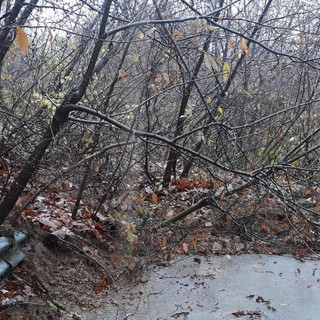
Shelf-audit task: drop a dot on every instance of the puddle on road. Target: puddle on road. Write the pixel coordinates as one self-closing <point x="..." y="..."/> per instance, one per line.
<point x="242" y="287"/>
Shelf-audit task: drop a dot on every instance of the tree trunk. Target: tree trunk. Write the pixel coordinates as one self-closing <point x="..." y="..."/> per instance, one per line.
<point x="226" y="88"/>
<point x="59" y="118"/>
<point x="173" y="155"/>
<point x="33" y="162"/>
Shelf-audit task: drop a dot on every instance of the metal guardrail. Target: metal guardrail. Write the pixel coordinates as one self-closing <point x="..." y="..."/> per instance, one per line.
<point x="10" y="252"/>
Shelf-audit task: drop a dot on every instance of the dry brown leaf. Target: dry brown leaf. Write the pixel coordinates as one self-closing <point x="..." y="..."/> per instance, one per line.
<point x="29" y="213"/>
<point x="22" y="39"/>
<point x="185" y="248"/>
<point x="154" y="198"/>
<point x="301" y="253"/>
<point x="114" y="302"/>
<point x="239" y="313"/>
<point x="136" y="58"/>
<point x="232" y="43"/>
<point x="176" y="32"/>
<point x="193" y="241"/>
<point x="265" y="228"/>
<point x="193" y="28"/>
<point x="65" y="185"/>
<point x="116" y="258"/>
<point x="164" y="244"/>
<point x="101" y="285"/>
<point x="253" y="207"/>
<point x="244" y="45"/>
<point x="123" y="75"/>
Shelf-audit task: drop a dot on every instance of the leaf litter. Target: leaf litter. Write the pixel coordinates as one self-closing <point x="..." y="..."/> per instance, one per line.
<point x="75" y="264"/>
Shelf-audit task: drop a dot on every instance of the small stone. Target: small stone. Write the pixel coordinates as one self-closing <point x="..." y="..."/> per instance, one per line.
<point x="74" y="261"/>
<point x="192" y="223"/>
<point x="226" y="243"/>
<point x="216" y="246"/>
<point x="144" y="280"/>
<point x="239" y="246"/>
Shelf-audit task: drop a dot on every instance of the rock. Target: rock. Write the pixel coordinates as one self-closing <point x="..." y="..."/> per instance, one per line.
<point x="192" y="223"/>
<point x="216" y="246"/>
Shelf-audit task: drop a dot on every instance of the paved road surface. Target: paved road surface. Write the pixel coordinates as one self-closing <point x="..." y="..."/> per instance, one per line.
<point x="238" y="287"/>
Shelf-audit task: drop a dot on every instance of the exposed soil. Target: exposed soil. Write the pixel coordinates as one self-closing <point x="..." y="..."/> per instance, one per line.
<point x="58" y="279"/>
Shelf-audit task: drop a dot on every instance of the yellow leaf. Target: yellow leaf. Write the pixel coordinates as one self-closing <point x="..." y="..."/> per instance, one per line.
<point x="226" y="71"/>
<point x="220" y="110"/>
<point x="130" y="116"/>
<point x="136" y="58"/>
<point x="131" y="232"/>
<point x="244" y="45"/>
<point x="295" y="163"/>
<point x="208" y="100"/>
<point x="141" y="35"/>
<point x="6" y="76"/>
<point x="131" y="227"/>
<point x="22" y="39"/>
<point x="176" y="32"/>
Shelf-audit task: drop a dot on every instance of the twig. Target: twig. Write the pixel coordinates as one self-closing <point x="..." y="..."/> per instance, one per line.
<point x="85" y="255"/>
<point x="17" y="304"/>
<point x="73" y="167"/>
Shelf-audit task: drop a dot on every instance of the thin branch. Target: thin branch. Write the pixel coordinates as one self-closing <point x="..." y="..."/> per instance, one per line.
<point x="68" y="170"/>
<point x="162" y="21"/>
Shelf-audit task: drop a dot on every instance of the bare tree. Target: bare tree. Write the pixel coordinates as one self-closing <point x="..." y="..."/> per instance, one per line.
<point x="231" y="87"/>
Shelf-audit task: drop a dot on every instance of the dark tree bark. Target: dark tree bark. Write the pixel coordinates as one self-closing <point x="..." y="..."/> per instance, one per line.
<point x="173" y="155"/>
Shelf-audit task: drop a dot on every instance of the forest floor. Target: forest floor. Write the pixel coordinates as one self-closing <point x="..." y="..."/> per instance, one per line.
<point x="73" y="266"/>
